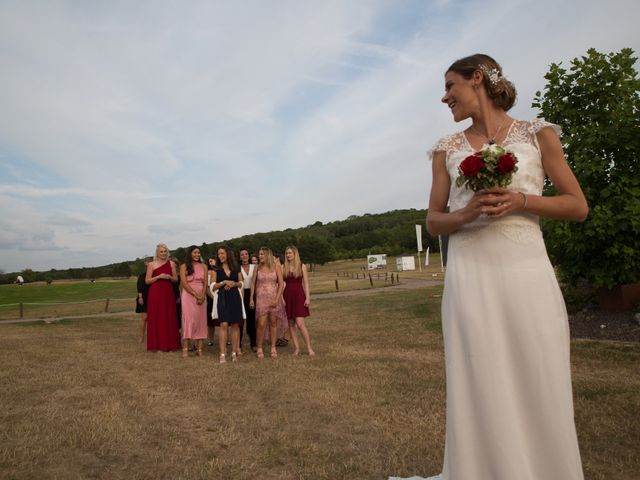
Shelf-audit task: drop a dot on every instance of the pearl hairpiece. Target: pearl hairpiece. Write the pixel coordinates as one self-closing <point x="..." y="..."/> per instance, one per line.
<point x="491" y="73"/>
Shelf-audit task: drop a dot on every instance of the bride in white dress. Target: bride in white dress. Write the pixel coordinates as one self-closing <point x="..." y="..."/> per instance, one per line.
<point x="509" y="397"/>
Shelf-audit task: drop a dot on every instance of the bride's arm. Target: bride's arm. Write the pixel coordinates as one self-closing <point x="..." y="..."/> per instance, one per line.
<point x="570" y="203"/>
<point x="439" y="221"/>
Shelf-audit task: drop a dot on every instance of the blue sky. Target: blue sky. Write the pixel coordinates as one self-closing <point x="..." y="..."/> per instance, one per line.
<point x="126" y="124"/>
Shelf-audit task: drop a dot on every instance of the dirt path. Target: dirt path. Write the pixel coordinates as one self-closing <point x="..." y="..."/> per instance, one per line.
<point x="408" y="284"/>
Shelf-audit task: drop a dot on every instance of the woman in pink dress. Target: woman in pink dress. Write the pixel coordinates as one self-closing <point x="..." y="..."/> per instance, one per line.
<point x="193" y="275"/>
<point x="297" y="297"/>
<point x="162" y="318"/>
<point x="266" y="295"/>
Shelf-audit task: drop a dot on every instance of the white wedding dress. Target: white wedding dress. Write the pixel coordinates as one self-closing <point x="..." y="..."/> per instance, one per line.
<point x="506" y="335"/>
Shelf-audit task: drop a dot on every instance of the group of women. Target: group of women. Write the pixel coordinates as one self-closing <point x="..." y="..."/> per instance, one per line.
<point x="256" y="291"/>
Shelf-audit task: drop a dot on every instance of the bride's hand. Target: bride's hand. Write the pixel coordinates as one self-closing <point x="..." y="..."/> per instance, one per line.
<point x="497" y="202"/>
<point x="475" y="207"/>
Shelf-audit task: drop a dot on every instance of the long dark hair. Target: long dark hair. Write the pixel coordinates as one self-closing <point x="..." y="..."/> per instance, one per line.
<point x="188" y="261"/>
<point x="231" y="259"/>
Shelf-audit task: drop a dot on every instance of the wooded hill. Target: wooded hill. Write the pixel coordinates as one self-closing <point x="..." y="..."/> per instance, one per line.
<point x="391" y="233"/>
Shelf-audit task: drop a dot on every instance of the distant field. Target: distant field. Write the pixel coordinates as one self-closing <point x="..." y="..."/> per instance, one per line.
<point x="81" y="297"/>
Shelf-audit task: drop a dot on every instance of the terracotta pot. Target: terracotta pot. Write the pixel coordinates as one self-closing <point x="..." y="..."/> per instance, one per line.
<point x="620" y="298"/>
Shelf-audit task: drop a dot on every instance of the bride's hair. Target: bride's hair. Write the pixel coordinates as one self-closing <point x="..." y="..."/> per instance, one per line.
<point x="500" y="90"/>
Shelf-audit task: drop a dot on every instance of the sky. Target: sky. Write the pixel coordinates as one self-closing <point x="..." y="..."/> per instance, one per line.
<point x="126" y="124"/>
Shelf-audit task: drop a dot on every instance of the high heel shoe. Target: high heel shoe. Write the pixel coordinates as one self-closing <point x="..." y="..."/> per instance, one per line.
<point x="223" y="358"/>
<point x="234" y="357"/>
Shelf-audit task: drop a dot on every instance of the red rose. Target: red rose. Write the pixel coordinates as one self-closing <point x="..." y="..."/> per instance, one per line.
<point x="506" y="163"/>
<point x="471" y="165"/>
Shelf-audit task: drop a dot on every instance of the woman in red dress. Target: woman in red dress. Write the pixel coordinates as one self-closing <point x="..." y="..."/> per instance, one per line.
<point x="162" y="319"/>
<point x="297" y="297"/>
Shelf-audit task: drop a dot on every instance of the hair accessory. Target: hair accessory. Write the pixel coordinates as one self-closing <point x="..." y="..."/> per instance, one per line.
<point x="493" y="74"/>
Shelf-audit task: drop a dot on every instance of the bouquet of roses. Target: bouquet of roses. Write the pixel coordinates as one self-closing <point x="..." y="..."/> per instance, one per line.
<point x="493" y="166"/>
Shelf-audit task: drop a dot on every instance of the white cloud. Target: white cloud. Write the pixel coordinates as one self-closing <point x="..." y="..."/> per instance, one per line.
<point x="128" y="124"/>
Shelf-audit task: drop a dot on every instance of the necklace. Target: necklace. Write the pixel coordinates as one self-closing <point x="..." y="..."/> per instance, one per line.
<point x="490" y="139"/>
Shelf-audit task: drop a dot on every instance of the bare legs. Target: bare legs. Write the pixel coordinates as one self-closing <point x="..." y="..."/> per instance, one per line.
<point x="299" y="324"/>
<point x="185" y="347"/>
<point x="273" y="332"/>
<point x="143" y="326"/>
<point x="235" y="340"/>
<point x="222" y="341"/>
<point x="211" y="331"/>
<point x="262" y="324"/>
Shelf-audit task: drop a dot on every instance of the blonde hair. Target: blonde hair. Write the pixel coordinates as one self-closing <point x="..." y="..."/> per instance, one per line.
<point x="271" y="264"/>
<point x="294" y="266"/>
<point x="158" y="247"/>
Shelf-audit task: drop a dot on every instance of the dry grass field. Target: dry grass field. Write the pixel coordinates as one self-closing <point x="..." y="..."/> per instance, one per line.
<point x="82" y="399"/>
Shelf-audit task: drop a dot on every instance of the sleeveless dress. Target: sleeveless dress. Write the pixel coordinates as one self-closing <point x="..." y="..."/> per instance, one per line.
<point x="294" y="297"/>
<point x="266" y="289"/>
<point x="194" y="316"/>
<point x="162" y="317"/>
<point x="229" y="303"/>
<point x="506" y="335"/>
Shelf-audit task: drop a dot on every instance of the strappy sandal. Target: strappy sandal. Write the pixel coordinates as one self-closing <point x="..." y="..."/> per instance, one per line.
<point x="185" y="352"/>
<point x="274" y="353"/>
<point x="234" y="357"/>
<point x="223" y="358"/>
<point x="259" y="353"/>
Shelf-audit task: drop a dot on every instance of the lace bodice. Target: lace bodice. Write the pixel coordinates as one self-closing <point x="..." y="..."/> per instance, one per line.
<point x="521" y="139"/>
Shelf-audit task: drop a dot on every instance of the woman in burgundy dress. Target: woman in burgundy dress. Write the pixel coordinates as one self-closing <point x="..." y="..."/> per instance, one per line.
<point x="162" y="320"/>
<point x="297" y="297"/>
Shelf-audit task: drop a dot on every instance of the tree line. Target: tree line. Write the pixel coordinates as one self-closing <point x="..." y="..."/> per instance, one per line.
<point x="391" y="233"/>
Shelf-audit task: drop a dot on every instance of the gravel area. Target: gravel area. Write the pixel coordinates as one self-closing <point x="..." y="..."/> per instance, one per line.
<point x="602" y="325"/>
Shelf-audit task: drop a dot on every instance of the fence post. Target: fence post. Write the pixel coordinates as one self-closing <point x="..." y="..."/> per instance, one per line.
<point x="370" y="280"/>
<point x="106" y="306"/>
<point x="386" y="275"/>
<point x="337" y="289"/>
<point x="392" y="279"/>
<point x="21" y="310"/>
<point x="398" y="278"/>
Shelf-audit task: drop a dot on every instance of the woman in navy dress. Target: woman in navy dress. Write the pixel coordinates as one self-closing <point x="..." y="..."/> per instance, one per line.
<point x="230" y="309"/>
